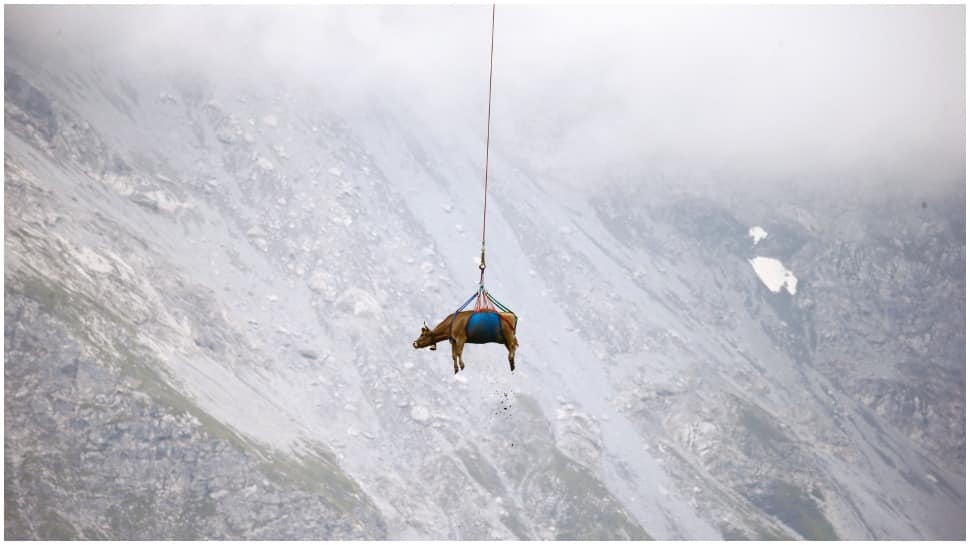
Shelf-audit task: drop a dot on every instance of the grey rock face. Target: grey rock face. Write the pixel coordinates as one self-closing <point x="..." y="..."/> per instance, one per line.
<point x="905" y="277"/>
<point x="848" y="357"/>
<point x="97" y="453"/>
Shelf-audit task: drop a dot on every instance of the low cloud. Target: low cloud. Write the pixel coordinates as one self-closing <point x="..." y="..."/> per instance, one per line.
<point x="825" y="95"/>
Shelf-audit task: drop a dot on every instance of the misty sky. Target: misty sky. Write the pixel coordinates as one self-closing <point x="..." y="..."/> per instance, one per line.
<point x="841" y="93"/>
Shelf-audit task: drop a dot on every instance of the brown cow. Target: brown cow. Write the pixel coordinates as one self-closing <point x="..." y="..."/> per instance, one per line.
<point x="454" y="328"/>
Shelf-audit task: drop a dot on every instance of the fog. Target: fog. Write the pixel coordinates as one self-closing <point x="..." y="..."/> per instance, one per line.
<point x="828" y="96"/>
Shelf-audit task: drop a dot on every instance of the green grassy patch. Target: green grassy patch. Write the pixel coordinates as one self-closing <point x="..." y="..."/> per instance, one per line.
<point x="315" y="472"/>
<point x="797" y="509"/>
<point x="761" y="425"/>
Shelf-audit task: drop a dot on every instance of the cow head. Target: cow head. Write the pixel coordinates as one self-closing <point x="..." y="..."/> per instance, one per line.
<point x="425" y="339"/>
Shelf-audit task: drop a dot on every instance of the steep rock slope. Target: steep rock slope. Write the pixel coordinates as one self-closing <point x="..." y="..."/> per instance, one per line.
<point x="211" y="288"/>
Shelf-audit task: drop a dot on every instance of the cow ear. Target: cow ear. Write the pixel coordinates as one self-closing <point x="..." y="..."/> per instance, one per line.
<point x="425" y="326"/>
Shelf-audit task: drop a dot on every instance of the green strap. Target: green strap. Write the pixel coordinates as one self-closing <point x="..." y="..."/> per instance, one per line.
<point x="500" y="305"/>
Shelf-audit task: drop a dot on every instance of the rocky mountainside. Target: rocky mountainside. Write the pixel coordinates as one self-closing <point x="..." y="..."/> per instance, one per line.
<point x="211" y="288"/>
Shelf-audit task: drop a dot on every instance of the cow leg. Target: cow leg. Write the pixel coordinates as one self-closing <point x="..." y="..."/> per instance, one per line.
<point x="510" y="345"/>
<point x="460" y="347"/>
<point x="454" y="355"/>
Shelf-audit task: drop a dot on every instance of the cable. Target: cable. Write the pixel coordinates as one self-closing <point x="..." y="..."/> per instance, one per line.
<point x="488" y="138"/>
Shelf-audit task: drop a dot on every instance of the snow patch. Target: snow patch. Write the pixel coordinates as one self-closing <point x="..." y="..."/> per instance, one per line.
<point x="269" y="120"/>
<point x="774" y="275"/>
<point x="757" y="234"/>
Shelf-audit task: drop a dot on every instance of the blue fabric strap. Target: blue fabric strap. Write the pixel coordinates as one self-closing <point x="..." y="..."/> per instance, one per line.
<point x="451" y="326"/>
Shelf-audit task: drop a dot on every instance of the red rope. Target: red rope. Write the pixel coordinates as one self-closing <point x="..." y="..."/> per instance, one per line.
<point x="488" y="138"/>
